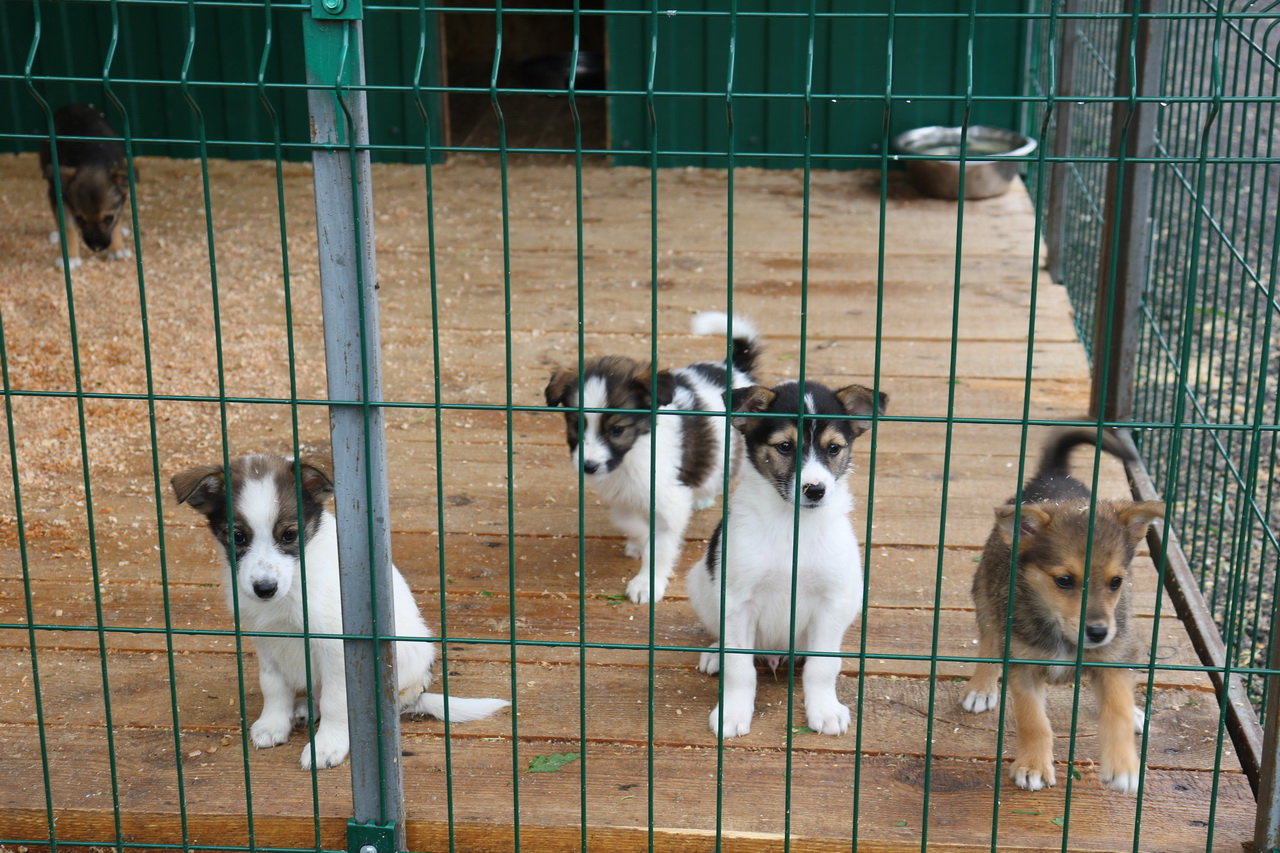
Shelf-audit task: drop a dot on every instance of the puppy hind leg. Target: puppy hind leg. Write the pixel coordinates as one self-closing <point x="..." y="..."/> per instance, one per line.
<point x="1119" y="767"/>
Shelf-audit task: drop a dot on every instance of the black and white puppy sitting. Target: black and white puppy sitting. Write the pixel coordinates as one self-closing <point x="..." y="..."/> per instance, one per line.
<point x="688" y="457"/>
<point x="263" y="531"/>
<point x="756" y="567"/>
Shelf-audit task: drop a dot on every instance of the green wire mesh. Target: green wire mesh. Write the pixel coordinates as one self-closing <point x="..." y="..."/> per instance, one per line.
<point x="729" y="85"/>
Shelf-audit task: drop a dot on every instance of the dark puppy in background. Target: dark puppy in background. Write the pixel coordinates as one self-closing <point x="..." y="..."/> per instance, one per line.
<point x="94" y="177"/>
<point x="1053" y="557"/>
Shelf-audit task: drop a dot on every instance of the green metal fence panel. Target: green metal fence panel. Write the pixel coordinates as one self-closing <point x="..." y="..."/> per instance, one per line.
<point x="698" y="83"/>
<point x="845" y="119"/>
<point x="1207" y="325"/>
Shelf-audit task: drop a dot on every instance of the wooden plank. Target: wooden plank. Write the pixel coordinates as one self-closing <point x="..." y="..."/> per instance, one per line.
<point x="895" y="711"/>
<point x="486" y="775"/>
<point x="547" y="628"/>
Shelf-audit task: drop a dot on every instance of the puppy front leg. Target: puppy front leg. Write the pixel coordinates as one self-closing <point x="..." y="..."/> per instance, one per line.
<point x="668" y="539"/>
<point x="117" y="250"/>
<point x="1033" y="765"/>
<point x="273" y="726"/>
<point x="73" y="242"/>
<point x="634" y="526"/>
<point x="1117" y="716"/>
<point x="984" y="686"/>
<point x="738" y="678"/>
<point x="825" y="712"/>
<point x="332" y="741"/>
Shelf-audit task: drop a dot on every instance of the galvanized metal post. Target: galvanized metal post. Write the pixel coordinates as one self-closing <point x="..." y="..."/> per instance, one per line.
<point x="1126" y="231"/>
<point x="348" y="282"/>
<point x="1063" y="86"/>
<point x="1266" y="831"/>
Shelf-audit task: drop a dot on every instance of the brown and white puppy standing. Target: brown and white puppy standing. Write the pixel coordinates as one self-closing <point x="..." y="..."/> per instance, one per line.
<point x="1053" y="557"/>
<point x="94" y="177"/>
<point x="263" y="534"/>
<point x="685" y="467"/>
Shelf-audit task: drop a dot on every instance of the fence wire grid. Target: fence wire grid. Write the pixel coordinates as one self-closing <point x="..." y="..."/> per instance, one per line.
<point x="556" y="180"/>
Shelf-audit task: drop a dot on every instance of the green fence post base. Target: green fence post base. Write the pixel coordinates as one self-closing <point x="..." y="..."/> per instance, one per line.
<point x="371" y="837"/>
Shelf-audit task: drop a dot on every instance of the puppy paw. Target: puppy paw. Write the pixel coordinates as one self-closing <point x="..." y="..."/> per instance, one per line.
<point x="828" y="718"/>
<point x="709" y="662"/>
<point x="267" y="733"/>
<point x="300" y="715"/>
<point x="1032" y="775"/>
<point x="1126" y="782"/>
<point x="74" y="263"/>
<point x="1139" y="720"/>
<point x="55" y="238"/>
<point x="121" y="255"/>
<point x="330" y="751"/>
<point x="638" y="589"/>
<point x="976" y="702"/>
<point x="736" y="721"/>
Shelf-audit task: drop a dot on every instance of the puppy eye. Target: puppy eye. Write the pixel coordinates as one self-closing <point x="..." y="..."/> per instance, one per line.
<point x="107" y="220"/>
<point x="616" y="430"/>
<point x="288" y="537"/>
<point x="1065" y="581"/>
<point x="240" y="538"/>
<point x="783" y="447"/>
<point x="1116" y="583"/>
<point x="834" y="449"/>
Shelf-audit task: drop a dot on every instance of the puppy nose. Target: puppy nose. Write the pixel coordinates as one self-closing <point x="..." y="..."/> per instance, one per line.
<point x="814" y="491"/>
<point x="590" y="467"/>
<point x="1096" y="633"/>
<point x="264" y="589"/>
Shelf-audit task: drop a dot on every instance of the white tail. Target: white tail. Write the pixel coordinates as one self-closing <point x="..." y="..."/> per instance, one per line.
<point x="460" y="710"/>
<point x="717" y="323"/>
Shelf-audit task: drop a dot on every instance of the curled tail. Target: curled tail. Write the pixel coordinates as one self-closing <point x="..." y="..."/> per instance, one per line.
<point x="460" y="710"/>
<point x="746" y="341"/>
<point x="1057" y="453"/>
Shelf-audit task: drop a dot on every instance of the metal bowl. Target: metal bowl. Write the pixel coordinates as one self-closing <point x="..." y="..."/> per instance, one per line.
<point x="987" y="172"/>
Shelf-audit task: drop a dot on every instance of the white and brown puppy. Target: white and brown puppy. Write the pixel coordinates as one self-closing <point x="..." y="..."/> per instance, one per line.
<point x="263" y="534"/>
<point x="757" y="560"/>
<point x="613" y="448"/>
<point x="1065" y="540"/>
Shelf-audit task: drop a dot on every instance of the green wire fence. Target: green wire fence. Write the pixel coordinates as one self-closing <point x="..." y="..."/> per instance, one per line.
<point x="1152" y="198"/>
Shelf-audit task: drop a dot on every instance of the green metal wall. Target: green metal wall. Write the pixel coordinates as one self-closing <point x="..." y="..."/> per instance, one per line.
<point x="224" y="49"/>
<point x="930" y="59"/>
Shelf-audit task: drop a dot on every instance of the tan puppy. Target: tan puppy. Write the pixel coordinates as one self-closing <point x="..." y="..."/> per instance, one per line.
<point x="1052" y="561"/>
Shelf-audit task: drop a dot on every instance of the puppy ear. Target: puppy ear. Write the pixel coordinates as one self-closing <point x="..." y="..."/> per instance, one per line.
<point x="1136" y="517"/>
<point x="203" y="489"/>
<point x="1032" y="522"/>
<point x="317" y="476"/>
<point x="859" y="400"/>
<point x="753" y="398"/>
<point x="120" y="177"/>
<point x="643" y="382"/>
<point x="557" y="390"/>
<point x="66" y="172"/>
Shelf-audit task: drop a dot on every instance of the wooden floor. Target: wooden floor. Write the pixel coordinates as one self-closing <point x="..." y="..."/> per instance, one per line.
<point x="576" y="657"/>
